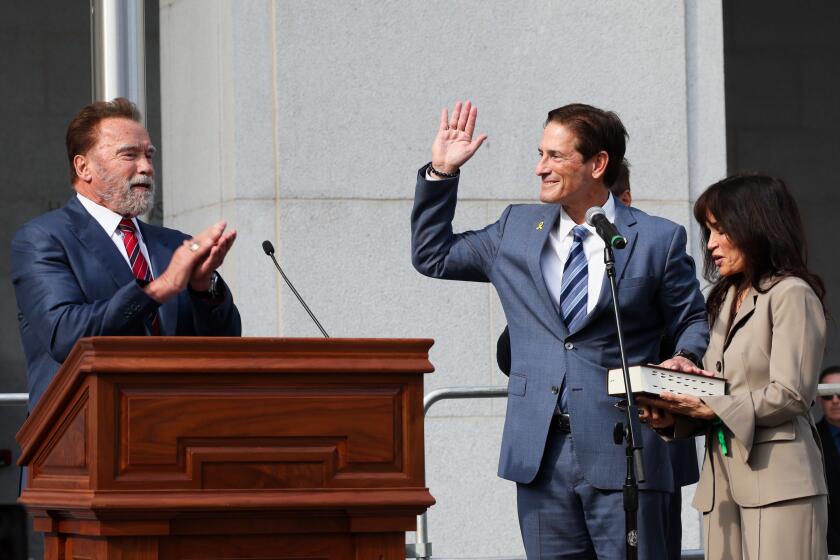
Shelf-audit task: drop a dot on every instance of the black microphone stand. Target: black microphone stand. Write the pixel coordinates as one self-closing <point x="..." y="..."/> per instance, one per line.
<point x="268" y="248"/>
<point x="628" y="434"/>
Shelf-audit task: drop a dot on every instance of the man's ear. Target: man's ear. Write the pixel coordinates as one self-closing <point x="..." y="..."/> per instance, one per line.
<point x="82" y="167"/>
<point x="599" y="164"/>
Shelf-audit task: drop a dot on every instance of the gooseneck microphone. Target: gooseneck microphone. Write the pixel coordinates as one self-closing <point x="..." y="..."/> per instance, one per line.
<point x="596" y="218"/>
<point x="269" y="250"/>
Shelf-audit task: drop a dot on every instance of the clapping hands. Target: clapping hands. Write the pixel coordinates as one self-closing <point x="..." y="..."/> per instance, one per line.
<point x="193" y="263"/>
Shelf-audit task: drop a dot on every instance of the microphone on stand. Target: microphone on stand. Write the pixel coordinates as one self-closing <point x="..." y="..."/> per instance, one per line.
<point x="269" y="250"/>
<point x="596" y="218"/>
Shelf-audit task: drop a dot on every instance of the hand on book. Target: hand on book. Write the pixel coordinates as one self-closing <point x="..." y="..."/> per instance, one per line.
<point x="679" y="363"/>
<point x="651" y="412"/>
<point x="659" y="412"/>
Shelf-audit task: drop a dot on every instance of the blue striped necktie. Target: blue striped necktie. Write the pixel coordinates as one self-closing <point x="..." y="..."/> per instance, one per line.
<point x="573" y="291"/>
<point x="575" y="284"/>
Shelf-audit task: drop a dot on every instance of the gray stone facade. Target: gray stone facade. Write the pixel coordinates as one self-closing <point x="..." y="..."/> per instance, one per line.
<point x="304" y="123"/>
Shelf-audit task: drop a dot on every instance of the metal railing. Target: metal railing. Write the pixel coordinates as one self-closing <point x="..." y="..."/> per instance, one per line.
<point x="434" y="396"/>
<point x="825" y="389"/>
<point x="422" y="548"/>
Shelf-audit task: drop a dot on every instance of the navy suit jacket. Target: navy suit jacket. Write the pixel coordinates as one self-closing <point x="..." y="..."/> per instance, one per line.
<point x="658" y="294"/>
<point x="683" y="453"/>
<point x="71" y="281"/>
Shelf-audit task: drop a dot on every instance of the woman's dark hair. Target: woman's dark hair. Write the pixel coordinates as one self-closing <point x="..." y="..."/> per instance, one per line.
<point x="760" y="217"/>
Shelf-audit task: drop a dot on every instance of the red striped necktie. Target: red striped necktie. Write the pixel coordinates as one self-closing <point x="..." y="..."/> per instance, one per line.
<point x="139" y="266"/>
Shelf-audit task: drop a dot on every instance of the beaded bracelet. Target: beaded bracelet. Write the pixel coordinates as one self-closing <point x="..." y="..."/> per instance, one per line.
<point x="441" y="174"/>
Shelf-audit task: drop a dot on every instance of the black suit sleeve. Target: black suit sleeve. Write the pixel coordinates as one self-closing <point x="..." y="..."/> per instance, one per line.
<point x="216" y="318"/>
<point x="503" y="351"/>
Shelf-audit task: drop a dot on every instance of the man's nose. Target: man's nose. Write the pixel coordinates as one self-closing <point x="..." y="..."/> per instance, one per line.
<point x="145" y="166"/>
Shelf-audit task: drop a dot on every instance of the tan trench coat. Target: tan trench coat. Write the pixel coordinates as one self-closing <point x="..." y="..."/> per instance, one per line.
<point x="770" y="358"/>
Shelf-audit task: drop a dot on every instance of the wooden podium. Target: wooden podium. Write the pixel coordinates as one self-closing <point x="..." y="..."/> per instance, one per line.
<point x="229" y="448"/>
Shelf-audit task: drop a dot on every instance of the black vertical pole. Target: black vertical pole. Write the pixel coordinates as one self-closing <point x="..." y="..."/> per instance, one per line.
<point x="628" y="434"/>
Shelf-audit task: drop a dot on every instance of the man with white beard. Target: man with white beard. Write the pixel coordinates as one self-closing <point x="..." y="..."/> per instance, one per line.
<point x="91" y="268"/>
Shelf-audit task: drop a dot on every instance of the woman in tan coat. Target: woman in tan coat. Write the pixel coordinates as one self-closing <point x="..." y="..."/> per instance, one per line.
<point x="762" y="489"/>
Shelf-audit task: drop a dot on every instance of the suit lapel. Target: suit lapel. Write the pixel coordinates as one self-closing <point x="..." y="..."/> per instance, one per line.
<point x="160" y="254"/>
<point x="536" y="243"/>
<point x="98" y="244"/>
<point x="742" y="316"/>
<point x="718" y="333"/>
<point x="625" y="223"/>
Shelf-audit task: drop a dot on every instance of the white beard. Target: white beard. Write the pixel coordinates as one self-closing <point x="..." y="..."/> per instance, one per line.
<point x="125" y="200"/>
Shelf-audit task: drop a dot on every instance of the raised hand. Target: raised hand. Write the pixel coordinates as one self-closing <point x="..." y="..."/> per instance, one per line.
<point x="454" y="144"/>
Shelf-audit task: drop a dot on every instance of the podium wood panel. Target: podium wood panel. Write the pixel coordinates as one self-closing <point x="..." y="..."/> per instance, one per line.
<point x="229" y="448"/>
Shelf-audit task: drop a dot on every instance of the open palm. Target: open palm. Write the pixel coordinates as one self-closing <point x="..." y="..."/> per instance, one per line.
<point x="454" y="144"/>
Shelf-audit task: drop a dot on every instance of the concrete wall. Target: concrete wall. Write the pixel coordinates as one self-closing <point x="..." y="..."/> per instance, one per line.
<point x="305" y="124"/>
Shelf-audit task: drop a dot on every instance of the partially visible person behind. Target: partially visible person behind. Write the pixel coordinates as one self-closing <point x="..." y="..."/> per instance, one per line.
<point x="762" y="489"/>
<point x="621" y="186"/>
<point x="92" y="268"/>
<point x="829" y="430"/>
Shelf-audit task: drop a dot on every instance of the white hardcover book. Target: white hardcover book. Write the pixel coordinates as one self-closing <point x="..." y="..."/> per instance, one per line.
<point x="653" y="380"/>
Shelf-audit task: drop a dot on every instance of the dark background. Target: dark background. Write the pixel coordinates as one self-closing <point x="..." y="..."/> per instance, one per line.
<point x="782" y="116"/>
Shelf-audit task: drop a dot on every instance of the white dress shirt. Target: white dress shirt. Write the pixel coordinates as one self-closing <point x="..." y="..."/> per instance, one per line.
<point x="556" y="251"/>
<point x="109" y="220"/>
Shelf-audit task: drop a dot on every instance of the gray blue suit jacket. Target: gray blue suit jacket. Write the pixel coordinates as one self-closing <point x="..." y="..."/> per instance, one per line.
<point x="658" y="294"/>
<point x="71" y="282"/>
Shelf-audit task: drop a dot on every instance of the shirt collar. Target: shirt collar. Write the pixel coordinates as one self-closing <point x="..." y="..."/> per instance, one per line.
<point x="566" y="224"/>
<point x="105" y="217"/>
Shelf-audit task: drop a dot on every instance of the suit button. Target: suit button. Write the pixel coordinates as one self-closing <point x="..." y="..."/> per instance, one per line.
<point x="718" y="366"/>
<point x="555" y="389"/>
<point x="569" y="346"/>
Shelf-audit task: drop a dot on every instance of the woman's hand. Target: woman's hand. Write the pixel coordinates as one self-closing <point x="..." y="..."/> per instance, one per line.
<point x="657" y="417"/>
<point x="674" y="403"/>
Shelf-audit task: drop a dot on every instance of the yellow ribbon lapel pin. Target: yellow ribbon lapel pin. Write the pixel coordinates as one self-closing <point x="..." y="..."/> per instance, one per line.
<point x="540" y="226"/>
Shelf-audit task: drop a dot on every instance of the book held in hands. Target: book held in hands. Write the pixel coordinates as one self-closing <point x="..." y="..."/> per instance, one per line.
<point x="652" y="380"/>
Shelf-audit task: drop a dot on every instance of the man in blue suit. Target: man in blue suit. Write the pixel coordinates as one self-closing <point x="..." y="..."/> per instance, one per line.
<point x="557" y="441"/>
<point x="91" y="268"/>
<point x="682" y="452"/>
